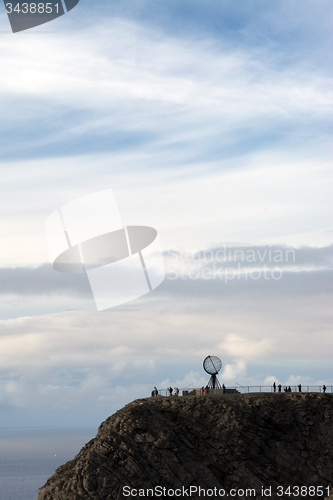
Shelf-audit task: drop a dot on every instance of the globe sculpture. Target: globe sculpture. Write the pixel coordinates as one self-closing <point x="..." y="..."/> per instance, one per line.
<point x="212" y="365"/>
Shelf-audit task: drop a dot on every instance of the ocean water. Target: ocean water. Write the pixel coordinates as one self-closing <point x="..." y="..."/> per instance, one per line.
<point x="28" y="457"/>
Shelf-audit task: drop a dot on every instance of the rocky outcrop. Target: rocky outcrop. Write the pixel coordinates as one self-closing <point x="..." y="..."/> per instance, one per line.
<point x="231" y="442"/>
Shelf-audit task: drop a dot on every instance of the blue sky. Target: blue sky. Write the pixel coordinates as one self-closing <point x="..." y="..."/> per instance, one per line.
<point x="211" y="121"/>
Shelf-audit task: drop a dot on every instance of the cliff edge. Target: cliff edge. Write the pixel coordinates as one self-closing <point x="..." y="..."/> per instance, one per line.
<point x="236" y="442"/>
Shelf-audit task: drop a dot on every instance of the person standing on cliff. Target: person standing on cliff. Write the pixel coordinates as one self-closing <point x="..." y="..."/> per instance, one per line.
<point x="223" y="388"/>
<point x="155" y="391"/>
<point x="279" y="386"/>
<point x="324" y="388"/>
<point x="274" y="387"/>
<point x="299" y="387"/>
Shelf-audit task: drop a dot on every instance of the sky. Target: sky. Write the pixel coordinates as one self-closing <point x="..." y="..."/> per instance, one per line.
<point x="211" y="121"/>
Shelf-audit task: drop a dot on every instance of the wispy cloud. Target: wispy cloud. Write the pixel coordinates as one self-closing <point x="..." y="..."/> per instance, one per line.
<point x="214" y="130"/>
<point x="40" y="280"/>
<point x="120" y="80"/>
<point x="69" y="358"/>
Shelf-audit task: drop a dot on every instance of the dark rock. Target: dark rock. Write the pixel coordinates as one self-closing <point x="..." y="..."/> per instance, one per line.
<point x="234" y="441"/>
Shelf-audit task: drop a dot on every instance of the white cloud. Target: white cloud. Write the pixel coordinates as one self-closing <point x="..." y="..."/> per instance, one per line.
<point x="246" y="348"/>
<point x="275" y="204"/>
<point x="191" y="380"/>
<point x="238" y="327"/>
<point x="270" y="380"/>
<point x="234" y="370"/>
<point x="231" y="148"/>
<point x="124" y="62"/>
<point x="190" y="96"/>
<point x="63" y="360"/>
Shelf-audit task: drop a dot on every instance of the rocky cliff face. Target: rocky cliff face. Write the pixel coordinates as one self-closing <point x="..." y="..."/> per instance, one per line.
<point x="231" y="442"/>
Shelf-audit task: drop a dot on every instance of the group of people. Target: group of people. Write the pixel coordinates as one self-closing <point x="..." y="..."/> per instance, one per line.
<point x="174" y="392"/>
<point x="205" y="390"/>
<point x="288" y="389"/>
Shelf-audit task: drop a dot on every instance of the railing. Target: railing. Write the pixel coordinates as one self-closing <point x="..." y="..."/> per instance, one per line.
<point x="248" y="389"/>
<point x="294" y="388"/>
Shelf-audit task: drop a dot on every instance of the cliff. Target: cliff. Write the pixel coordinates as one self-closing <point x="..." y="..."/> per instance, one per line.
<point x="230" y="442"/>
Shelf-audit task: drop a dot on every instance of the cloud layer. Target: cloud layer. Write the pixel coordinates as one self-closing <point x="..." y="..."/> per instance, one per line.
<point x="263" y="330"/>
<point x="211" y="122"/>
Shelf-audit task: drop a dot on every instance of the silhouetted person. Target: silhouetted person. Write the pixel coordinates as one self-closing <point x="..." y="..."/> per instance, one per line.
<point x="289" y="389"/>
<point x="155" y="391"/>
<point x="324" y="388"/>
<point x="223" y="388"/>
<point x="299" y="387"/>
<point x="274" y="387"/>
<point x="170" y="391"/>
<point x="286" y="389"/>
<point x="279" y="386"/>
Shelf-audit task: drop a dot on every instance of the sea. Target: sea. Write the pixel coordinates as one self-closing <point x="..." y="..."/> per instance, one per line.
<point x="28" y="457"/>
